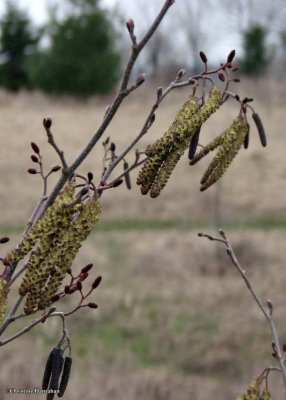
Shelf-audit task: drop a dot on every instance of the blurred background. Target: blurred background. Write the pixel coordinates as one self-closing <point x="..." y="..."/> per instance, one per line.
<point x="174" y="319"/>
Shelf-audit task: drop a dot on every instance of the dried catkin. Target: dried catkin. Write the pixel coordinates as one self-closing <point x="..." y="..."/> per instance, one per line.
<point x="65" y="376"/>
<point x="48" y="370"/>
<point x="57" y="365"/>
<point x="194" y="144"/>
<point x="127" y="175"/>
<point x="260" y="129"/>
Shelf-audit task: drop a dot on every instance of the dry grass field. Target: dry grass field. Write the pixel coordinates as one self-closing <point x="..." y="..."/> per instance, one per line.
<point x="175" y="321"/>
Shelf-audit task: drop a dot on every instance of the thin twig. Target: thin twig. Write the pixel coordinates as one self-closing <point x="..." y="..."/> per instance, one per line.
<point x="60" y="152"/>
<point x="10" y="317"/>
<point x="29" y="327"/>
<point x="268" y="315"/>
<point x="130" y="168"/>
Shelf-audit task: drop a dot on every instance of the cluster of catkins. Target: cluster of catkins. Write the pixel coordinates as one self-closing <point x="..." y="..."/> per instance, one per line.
<point x="55" y="239"/>
<point x="57" y="373"/>
<point x="255" y="392"/>
<point x="184" y="133"/>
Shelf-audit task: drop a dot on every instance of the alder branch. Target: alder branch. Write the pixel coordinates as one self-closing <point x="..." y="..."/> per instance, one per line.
<point x="122" y="93"/>
<point x="268" y="313"/>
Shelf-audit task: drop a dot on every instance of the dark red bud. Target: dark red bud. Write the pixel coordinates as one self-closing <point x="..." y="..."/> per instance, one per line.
<point x="221" y="76"/>
<point x="86" y="268"/>
<point x="284" y="347"/>
<point x="112" y="147"/>
<point x="106" y="141"/>
<point x="236" y="80"/>
<point x="69" y="271"/>
<point x="92" y="305"/>
<point x="140" y="79"/>
<point x="32" y="171"/>
<point x="47" y="122"/>
<point x="73" y="289"/>
<point x="83" y="276"/>
<point x="55" y="297"/>
<point x="79" y="285"/>
<point x="229" y="65"/>
<point x="96" y="282"/>
<point x="4" y="240"/>
<point x="117" y="183"/>
<point x="67" y="289"/>
<point x="231" y="55"/>
<point x="90" y="176"/>
<point x="56" y="168"/>
<point x="35" y="147"/>
<point x="34" y="158"/>
<point x="203" y="57"/>
<point x="237" y="97"/>
<point x="181" y="73"/>
<point x="130" y="25"/>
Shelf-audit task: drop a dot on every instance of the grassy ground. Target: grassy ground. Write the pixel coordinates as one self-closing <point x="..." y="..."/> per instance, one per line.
<point x="174" y="319"/>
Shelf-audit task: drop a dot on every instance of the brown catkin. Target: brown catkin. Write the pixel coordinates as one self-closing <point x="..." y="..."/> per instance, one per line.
<point x="194" y="144"/>
<point x="260" y="129"/>
<point x="48" y="370"/>
<point x="65" y="376"/>
<point x="57" y="365"/>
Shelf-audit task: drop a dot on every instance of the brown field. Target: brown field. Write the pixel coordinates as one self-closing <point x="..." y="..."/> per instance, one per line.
<point x="175" y="321"/>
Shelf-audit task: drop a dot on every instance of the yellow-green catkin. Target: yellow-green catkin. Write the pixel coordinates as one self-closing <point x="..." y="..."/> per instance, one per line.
<point x="43" y="226"/>
<point x="165" y="172"/>
<point x="3" y="299"/>
<point x="229" y="144"/>
<point x="254" y="391"/>
<point x="69" y="247"/>
<point x="162" y="154"/>
<point x="54" y="222"/>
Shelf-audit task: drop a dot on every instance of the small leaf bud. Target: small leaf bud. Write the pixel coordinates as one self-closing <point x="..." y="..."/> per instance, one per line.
<point x="56" y="168"/>
<point x="83" y="276"/>
<point x="231" y="56"/>
<point x="96" y="282"/>
<point x="141" y="78"/>
<point x="130" y="25"/>
<point x="55" y="297"/>
<point x="90" y="176"/>
<point x="92" y="305"/>
<point x="4" y="239"/>
<point x="203" y="57"/>
<point x="47" y="122"/>
<point x="35" y="147"/>
<point x="34" y="158"/>
<point x="32" y="171"/>
<point x="117" y="183"/>
<point x="221" y="76"/>
<point x="86" y="268"/>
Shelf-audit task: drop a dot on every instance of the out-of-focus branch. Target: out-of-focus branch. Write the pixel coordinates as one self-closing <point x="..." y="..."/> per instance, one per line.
<point x="267" y="312"/>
